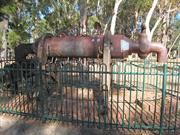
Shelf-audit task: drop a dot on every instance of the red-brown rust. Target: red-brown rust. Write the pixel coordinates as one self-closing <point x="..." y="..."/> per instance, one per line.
<point x="142" y="47"/>
<point x="73" y="46"/>
<point x="146" y="47"/>
<point x="85" y="46"/>
<point x="144" y="43"/>
<point x="122" y="46"/>
<point x="160" y="50"/>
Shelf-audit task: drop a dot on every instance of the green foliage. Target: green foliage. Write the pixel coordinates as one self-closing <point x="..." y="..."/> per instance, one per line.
<point x="13" y="38"/>
<point x="41" y="27"/>
<point x="19" y="21"/>
<point x="9" y="9"/>
<point x="91" y="22"/>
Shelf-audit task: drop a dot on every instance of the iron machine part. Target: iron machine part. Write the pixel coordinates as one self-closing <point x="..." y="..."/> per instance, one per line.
<point x="90" y="47"/>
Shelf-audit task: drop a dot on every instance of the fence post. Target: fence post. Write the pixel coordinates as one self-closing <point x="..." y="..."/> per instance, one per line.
<point x="41" y="92"/>
<point x="107" y="61"/>
<point x="163" y="98"/>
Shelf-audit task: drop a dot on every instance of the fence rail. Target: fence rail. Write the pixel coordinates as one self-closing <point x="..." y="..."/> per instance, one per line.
<point x="143" y="95"/>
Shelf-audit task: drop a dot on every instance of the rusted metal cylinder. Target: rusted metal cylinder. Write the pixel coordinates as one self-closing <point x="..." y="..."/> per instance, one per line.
<point x="74" y="46"/>
<point x="85" y="46"/>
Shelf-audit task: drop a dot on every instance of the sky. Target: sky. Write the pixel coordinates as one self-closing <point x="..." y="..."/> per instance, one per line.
<point x="178" y="16"/>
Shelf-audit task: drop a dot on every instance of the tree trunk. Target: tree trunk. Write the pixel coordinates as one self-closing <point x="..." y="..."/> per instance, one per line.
<point x="165" y="26"/>
<point x="113" y="21"/>
<point x="148" y="18"/>
<point x="164" y="32"/>
<point x="176" y="39"/>
<point x="98" y="8"/>
<point x="4" y="39"/>
<point x="83" y="16"/>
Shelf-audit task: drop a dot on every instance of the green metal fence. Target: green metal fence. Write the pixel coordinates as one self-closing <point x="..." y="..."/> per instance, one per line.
<point x="143" y="94"/>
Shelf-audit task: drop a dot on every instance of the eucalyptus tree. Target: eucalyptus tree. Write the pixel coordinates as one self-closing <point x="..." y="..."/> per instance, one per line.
<point x="57" y="15"/>
<point x="19" y="21"/>
<point x="3" y="42"/>
<point x="174" y="43"/>
<point x="3" y="29"/>
<point x="83" y="16"/>
<point x="169" y="9"/>
<point x="115" y="11"/>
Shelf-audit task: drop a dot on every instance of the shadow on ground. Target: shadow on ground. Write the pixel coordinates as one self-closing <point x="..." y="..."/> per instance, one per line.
<point x="21" y="126"/>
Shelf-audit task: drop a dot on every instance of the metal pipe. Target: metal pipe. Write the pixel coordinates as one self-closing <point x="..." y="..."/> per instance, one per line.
<point x="160" y="50"/>
<point x="123" y="46"/>
<point x="146" y="47"/>
<point x="85" y="46"/>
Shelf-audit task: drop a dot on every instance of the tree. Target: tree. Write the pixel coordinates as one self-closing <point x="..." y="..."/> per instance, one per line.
<point x="149" y="31"/>
<point x="83" y="16"/>
<point x="19" y="21"/>
<point x="113" y="22"/>
<point x="4" y="25"/>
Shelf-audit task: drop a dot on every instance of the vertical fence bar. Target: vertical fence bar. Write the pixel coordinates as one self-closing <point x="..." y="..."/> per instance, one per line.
<point x="118" y="89"/>
<point x="77" y="102"/>
<point x="37" y="80"/>
<point x="171" y="100"/>
<point x="22" y="87"/>
<point x="136" y="105"/>
<point x="70" y="100"/>
<point x="41" y="93"/>
<point x="82" y="94"/>
<point x="110" y="94"/>
<point x="163" y="98"/>
<point x="16" y="90"/>
<point x="130" y="95"/>
<point x="32" y="68"/>
<point x="62" y="79"/>
<point x="67" y="72"/>
<point x="93" y="100"/>
<point x="156" y="96"/>
<point x="143" y="92"/>
<point x="177" y="98"/>
<point x="124" y="102"/>
<point x="88" y="102"/>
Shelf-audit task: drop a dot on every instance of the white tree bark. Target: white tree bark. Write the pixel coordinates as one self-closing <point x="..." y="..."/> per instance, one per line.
<point x="113" y="21"/>
<point x="4" y="40"/>
<point x="178" y="36"/>
<point x="148" y="19"/>
<point x="98" y="8"/>
<point x="166" y="24"/>
<point x="149" y="31"/>
<point x="83" y="16"/>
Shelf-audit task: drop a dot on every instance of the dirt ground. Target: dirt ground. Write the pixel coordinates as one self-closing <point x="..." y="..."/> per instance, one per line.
<point x="16" y="125"/>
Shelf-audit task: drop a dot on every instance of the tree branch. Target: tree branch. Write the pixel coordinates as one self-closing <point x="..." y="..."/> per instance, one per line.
<point x="155" y="26"/>
<point x="173" y="44"/>
<point x="113" y="21"/>
<point x="148" y="18"/>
